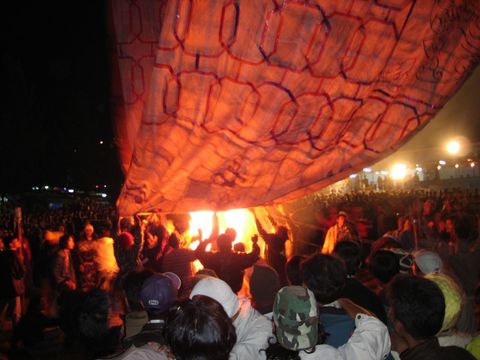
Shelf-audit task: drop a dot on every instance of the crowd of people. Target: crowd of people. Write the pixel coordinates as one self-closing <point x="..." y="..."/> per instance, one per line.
<point x="384" y="276"/>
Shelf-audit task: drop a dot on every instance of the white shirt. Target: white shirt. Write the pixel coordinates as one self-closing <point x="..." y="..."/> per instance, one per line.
<point x="253" y="331"/>
<point x="105" y="256"/>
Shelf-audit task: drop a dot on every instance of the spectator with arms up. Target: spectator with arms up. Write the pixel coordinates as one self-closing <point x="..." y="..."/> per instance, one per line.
<point x="228" y="265"/>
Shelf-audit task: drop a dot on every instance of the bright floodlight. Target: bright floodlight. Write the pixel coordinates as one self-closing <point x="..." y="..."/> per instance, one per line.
<point x="367" y="170"/>
<point x="472" y="164"/>
<point x="399" y="171"/>
<point x="453" y="147"/>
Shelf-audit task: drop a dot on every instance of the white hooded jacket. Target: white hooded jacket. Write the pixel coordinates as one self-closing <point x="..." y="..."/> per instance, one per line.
<point x="253" y="329"/>
<point x="369" y="341"/>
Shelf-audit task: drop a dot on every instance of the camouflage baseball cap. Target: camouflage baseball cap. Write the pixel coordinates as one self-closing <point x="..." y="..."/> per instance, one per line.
<point x="296" y="319"/>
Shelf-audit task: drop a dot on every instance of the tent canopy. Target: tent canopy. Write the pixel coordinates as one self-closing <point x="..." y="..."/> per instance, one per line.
<point x="239" y="103"/>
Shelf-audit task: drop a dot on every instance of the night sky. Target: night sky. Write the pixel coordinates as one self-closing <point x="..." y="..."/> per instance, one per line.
<point x="56" y="103"/>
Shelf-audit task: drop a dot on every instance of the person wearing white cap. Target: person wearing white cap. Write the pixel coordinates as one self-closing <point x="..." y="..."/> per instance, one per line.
<point x="252" y="328"/>
<point x="338" y="232"/>
<point x="427" y="262"/>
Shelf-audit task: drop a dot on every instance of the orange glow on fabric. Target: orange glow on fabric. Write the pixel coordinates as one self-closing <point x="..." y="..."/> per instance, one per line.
<point x="236" y="104"/>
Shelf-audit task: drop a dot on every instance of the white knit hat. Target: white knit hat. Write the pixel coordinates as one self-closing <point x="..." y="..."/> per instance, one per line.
<point x="218" y="290"/>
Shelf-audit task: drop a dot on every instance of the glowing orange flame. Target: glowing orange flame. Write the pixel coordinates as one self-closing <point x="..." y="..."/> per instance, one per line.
<point x="202" y="220"/>
<point x="242" y="220"/>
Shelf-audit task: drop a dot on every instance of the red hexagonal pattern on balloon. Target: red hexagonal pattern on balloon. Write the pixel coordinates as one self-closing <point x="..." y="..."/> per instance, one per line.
<point x="238" y="103"/>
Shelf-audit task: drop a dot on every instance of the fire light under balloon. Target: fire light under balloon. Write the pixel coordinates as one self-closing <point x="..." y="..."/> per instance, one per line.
<point x="241" y="220"/>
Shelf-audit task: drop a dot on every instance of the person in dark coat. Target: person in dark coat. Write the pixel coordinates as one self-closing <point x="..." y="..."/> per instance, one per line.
<point x="157" y="295"/>
<point x="275" y="249"/>
<point x="63" y="269"/>
<point x="87" y="270"/>
<point x="351" y="253"/>
<point x="228" y="265"/>
<point x="12" y="274"/>
<point x="126" y="247"/>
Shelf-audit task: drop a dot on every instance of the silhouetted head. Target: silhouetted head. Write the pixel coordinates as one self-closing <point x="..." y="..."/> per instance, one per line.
<point x="66" y="242"/>
<point x="231" y="233"/>
<point x="224" y="243"/>
<point x="417" y="306"/>
<point x="200" y="329"/>
<point x="351" y="253"/>
<point x="325" y="275"/>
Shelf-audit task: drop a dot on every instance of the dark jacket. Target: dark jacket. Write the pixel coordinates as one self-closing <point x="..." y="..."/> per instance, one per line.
<point x="12" y="273"/>
<point x="229" y="266"/>
<point x="274" y="252"/>
<point x="363" y="296"/>
<point x="151" y="332"/>
<point x="431" y="350"/>
<point x="63" y="269"/>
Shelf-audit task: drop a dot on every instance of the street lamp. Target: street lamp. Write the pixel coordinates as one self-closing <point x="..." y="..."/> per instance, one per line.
<point x="398" y="171"/>
<point x="458" y="146"/>
<point x="453" y="147"/>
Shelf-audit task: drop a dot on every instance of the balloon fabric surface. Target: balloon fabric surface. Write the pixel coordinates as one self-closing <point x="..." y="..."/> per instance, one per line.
<point x="238" y="103"/>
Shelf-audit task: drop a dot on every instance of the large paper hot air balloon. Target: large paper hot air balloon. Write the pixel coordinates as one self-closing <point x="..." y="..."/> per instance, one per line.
<point x="238" y="103"/>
